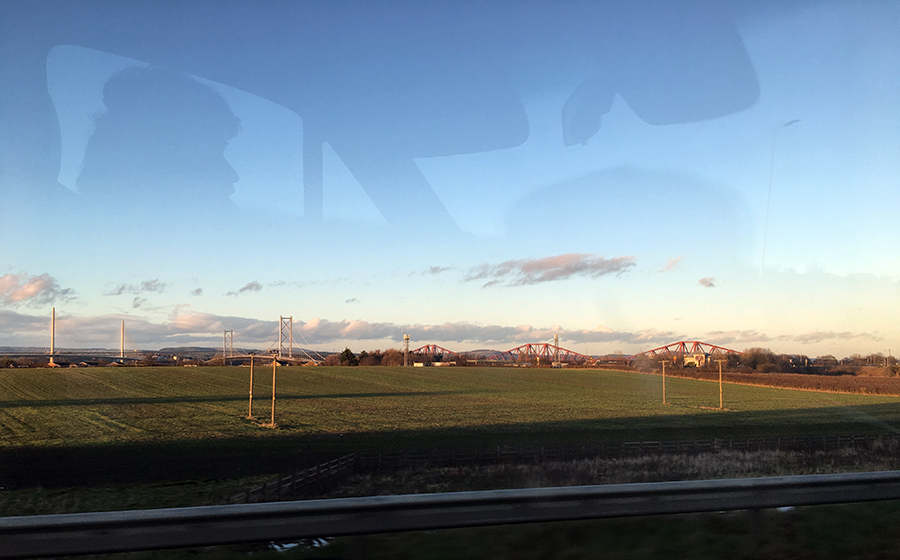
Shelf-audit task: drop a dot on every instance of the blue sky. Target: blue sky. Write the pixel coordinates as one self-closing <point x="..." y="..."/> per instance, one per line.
<point x="469" y="196"/>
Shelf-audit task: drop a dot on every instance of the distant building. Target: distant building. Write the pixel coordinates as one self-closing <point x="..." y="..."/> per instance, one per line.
<point x="696" y="360"/>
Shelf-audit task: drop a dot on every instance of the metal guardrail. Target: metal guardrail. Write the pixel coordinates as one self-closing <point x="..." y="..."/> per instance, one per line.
<point x="93" y="533"/>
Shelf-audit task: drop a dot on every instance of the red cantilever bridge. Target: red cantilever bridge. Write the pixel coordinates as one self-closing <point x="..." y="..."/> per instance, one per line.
<point x="552" y="352"/>
<point x="687" y="348"/>
<point x="544" y="351"/>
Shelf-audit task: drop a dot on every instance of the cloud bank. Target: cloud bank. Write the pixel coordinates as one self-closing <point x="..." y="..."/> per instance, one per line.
<point x="189" y="328"/>
<point x="31" y="291"/>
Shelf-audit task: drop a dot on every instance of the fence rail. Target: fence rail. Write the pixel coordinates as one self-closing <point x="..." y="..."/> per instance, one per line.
<point x="95" y="533"/>
<point x="373" y="461"/>
<point x="292" y="485"/>
<point x="312" y="482"/>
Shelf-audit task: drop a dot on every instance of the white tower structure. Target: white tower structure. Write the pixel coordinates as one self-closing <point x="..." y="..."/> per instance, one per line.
<point x="405" y="349"/>
<point x="556" y="363"/>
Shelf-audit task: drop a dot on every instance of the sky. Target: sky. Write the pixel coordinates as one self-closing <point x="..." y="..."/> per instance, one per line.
<point x="624" y="175"/>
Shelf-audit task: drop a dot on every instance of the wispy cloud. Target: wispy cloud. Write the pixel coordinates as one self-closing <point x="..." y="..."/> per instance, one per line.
<point x="31" y="291"/>
<point x="351" y="300"/>
<point x="249" y="287"/>
<point x="732" y="337"/>
<point x="524" y="272"/>
<point x="146" y="286"/>
<point x="153" y="286"/>
<point x="708" y="282"/>
<point x="437" y="269"/>
<point x="671" y="264"/>
<point x="197" y="292"/>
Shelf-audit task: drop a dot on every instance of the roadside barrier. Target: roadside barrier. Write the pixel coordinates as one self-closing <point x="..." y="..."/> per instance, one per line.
<point x="125" y="531"/>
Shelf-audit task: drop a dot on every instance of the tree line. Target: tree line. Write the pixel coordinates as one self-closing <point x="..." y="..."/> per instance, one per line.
<point x="763" y="360"/>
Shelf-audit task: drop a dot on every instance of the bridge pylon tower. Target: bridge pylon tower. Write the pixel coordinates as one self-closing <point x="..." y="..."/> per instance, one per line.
<point x="286" y="336"/>
<point x="228" y="345"/>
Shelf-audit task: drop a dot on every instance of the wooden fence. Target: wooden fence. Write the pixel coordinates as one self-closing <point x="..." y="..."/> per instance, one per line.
<point x="392" y="460"/>
<point x="294" y="485"/>
<point x="312" y="481"/>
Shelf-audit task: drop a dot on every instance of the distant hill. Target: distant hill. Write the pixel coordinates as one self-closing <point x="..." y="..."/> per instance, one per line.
<point x="190" y="351"/>
<point x="481" y="352"/>
<point x="187" y="349"/>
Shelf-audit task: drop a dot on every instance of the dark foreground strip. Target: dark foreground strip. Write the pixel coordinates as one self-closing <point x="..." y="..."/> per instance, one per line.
<point x="91" y="533"/>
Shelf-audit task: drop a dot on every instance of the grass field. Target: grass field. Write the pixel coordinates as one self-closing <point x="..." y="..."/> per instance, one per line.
<point x="142" y="424"/>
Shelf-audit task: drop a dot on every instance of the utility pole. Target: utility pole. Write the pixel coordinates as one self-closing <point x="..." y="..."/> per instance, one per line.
<point x="721" y="402"/>
<point x="52" y="334"/>
<point x="274" y="365"/>
<point x="250" y="408"/>
<point x="664" y="362"/>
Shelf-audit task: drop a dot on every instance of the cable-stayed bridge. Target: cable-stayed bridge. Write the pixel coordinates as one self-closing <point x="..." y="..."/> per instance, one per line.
<point x="71" y="354"/>
<point x="281" y="349"/>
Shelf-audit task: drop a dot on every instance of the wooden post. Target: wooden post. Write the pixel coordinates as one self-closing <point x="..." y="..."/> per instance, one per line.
<point x="721" y="402"/>
<point x="250" y="409"/>
<point x="664" y="362"/>
<point x="274" y="365"/>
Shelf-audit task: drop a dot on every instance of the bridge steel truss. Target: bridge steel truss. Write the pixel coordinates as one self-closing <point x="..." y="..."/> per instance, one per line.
<point x="687" y="348"/>
<point x="535" y="351"/>
<point x="435" y="350"/>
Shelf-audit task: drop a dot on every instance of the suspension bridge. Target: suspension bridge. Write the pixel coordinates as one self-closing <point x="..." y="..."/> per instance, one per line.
<point x="280" y="350"/>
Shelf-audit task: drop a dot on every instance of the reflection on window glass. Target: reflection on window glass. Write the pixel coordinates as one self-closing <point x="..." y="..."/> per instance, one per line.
<point x="602" y="177"/>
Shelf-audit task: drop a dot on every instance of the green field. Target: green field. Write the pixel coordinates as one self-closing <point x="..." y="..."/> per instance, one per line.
<point x="171" y="423"/>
